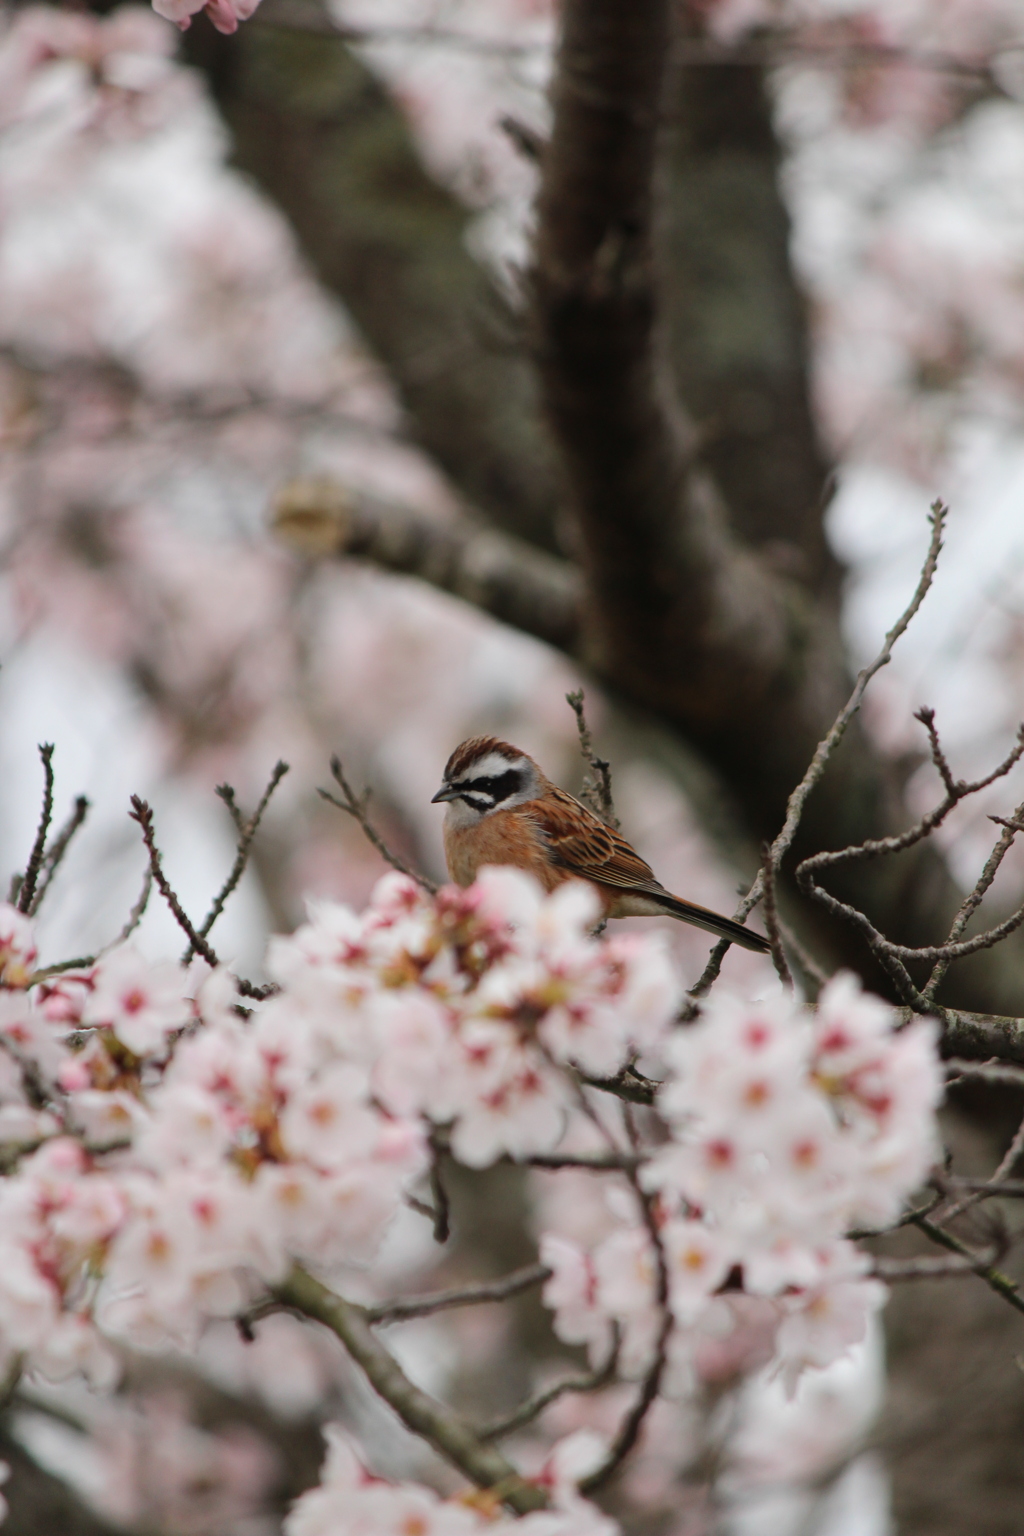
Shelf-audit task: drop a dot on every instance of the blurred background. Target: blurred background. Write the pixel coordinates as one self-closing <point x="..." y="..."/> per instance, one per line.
<point x="169" y="360"/>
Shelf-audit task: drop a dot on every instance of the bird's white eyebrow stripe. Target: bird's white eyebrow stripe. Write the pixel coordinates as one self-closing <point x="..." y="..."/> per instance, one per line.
<point x="490" y="767"/>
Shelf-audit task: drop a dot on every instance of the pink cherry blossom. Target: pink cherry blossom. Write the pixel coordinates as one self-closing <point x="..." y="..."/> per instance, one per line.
<point x="18" y="953"/>
<point x="140" y="1001"/>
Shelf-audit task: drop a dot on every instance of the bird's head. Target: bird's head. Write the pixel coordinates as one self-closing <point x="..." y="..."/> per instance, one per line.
<point x="485" y="775"/>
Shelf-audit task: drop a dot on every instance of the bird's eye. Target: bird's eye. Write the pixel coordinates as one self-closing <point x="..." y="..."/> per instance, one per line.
<point x="496" y="787"/>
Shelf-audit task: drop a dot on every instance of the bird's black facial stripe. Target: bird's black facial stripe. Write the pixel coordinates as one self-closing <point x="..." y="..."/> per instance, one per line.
<point x="487" y="791"/>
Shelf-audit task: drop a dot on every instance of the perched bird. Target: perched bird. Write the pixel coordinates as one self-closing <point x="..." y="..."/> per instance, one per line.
<point x="503" y="810"/>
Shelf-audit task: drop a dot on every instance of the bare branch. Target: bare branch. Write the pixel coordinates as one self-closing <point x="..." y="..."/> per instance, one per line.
<point x="403" y="1309"/>
<point x="712" y="970"/>
<point x="84" y="962"/>
<point x="629" y="1085"/>
<point x="629" y="1430"/>
<point x="495" y="572"/>
<point x="1000" y="1283"/>
<point x="889" y="953"/>
<point x="57" y="849"/>
<point x="23" y="887"/>
<point x="597" y="786"/>
<point x="771" y="918"/>
<point x="246" y="833"/>
<point x="137" y="912"/>
<point x="973" y="899"/>
<point x="955" y="1268"/>
<point x="142" y="812"/>
<point x="981" y="1035"/>
<point x="355" y="806"/>
<point x="988" y="1071"/>
<point x="1011" y="1189"/>
<point x="859" y="1234"/>
<point x="806" y="961"/>
<point x="441" y="1212"/>
<point x="593" y="1381"/>
<point x="444" y="1429"/>
<point x="798" y="799"/>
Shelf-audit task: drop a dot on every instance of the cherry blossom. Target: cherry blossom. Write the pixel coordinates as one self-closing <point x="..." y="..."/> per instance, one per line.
<point x="140" y="1002"/>
<point x="225" y="14"/>
<point x="17" y="947"/>
<point x="349" y="1501"/>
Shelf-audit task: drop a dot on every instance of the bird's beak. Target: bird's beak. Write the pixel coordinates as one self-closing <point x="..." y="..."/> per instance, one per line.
<point x="446" y="792"/>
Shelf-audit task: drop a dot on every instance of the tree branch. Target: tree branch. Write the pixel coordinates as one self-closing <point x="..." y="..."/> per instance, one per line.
<point x="597" y="786"/>
<point x="404" y="1308"/>
<point x="442" y="1427"/>
<point x="142" y="812"/>
<point x="23" y="887"/>
<point x="355" y="806"/>
<point x="495" y="572"/>
<point x="246" y="832"/>
<point x="54" y="855"/>
<point x="320" y="135"/>
<point x="525" y="1414"/>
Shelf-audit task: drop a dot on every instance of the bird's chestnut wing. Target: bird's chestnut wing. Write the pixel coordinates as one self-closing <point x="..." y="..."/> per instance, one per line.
<point x="581" y="843"/>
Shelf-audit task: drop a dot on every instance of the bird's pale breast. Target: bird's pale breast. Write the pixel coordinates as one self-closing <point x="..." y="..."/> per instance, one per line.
<point x="505" y="837"/>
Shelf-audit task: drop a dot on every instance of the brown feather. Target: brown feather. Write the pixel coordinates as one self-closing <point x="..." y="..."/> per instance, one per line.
<point x="585" y="847"/>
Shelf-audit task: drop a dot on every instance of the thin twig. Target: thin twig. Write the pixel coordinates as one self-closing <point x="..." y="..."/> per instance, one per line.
<point x="1002" y="1284"/>
<point x="824" y="750"/>
<point x="404" y="1308"/>
<point x="928" y="1268"/>
<point x="444" y="1429"/>
<point x="806" y="961"/>
<point x="973" y="899"/>
<point x="712" y="970"/>
<point x="442" y="1211"/>
<point x="246" y="834"/>
<point x="525" y="1414"/>
<point x="794" y="808"/>
<point x="596" y="792"/>
<point x="771" y="919"/>
<point x="355" y="806"/>
<point x="858" y="1234"/>
<point x="889" y="953"/>
<point x="1010" y="1189"/>
<point x="85" y="962"/>
<point x="982" y="1189"/>
<point x="629" y="1430"/>
<point x="990" y="1071"/>
<point x="26" y="884"/>
<point x="142" y="812"/>
<point x="629" y="1085"/>
<point x="57" y="849"/>
<point x="137" y="912"/>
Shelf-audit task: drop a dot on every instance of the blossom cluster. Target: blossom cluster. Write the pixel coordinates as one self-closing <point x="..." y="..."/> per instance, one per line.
<point x="789" y="1128"/>
<point x="172" y="1150"/>
<point x="177" y="1150"/>
<point x="350" y="1502"/>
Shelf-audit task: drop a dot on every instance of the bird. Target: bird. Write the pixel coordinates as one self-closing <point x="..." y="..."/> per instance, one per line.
<point x="503" y="809"/>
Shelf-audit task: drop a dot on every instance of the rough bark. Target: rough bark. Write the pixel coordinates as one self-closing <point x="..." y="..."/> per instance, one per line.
<point x="320" y="136"/>
<point x="737" y="326"/>
<point x="505" y="577"/>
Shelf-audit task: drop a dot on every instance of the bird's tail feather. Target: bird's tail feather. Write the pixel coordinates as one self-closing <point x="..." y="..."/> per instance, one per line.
<point x="713" y="922"/>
